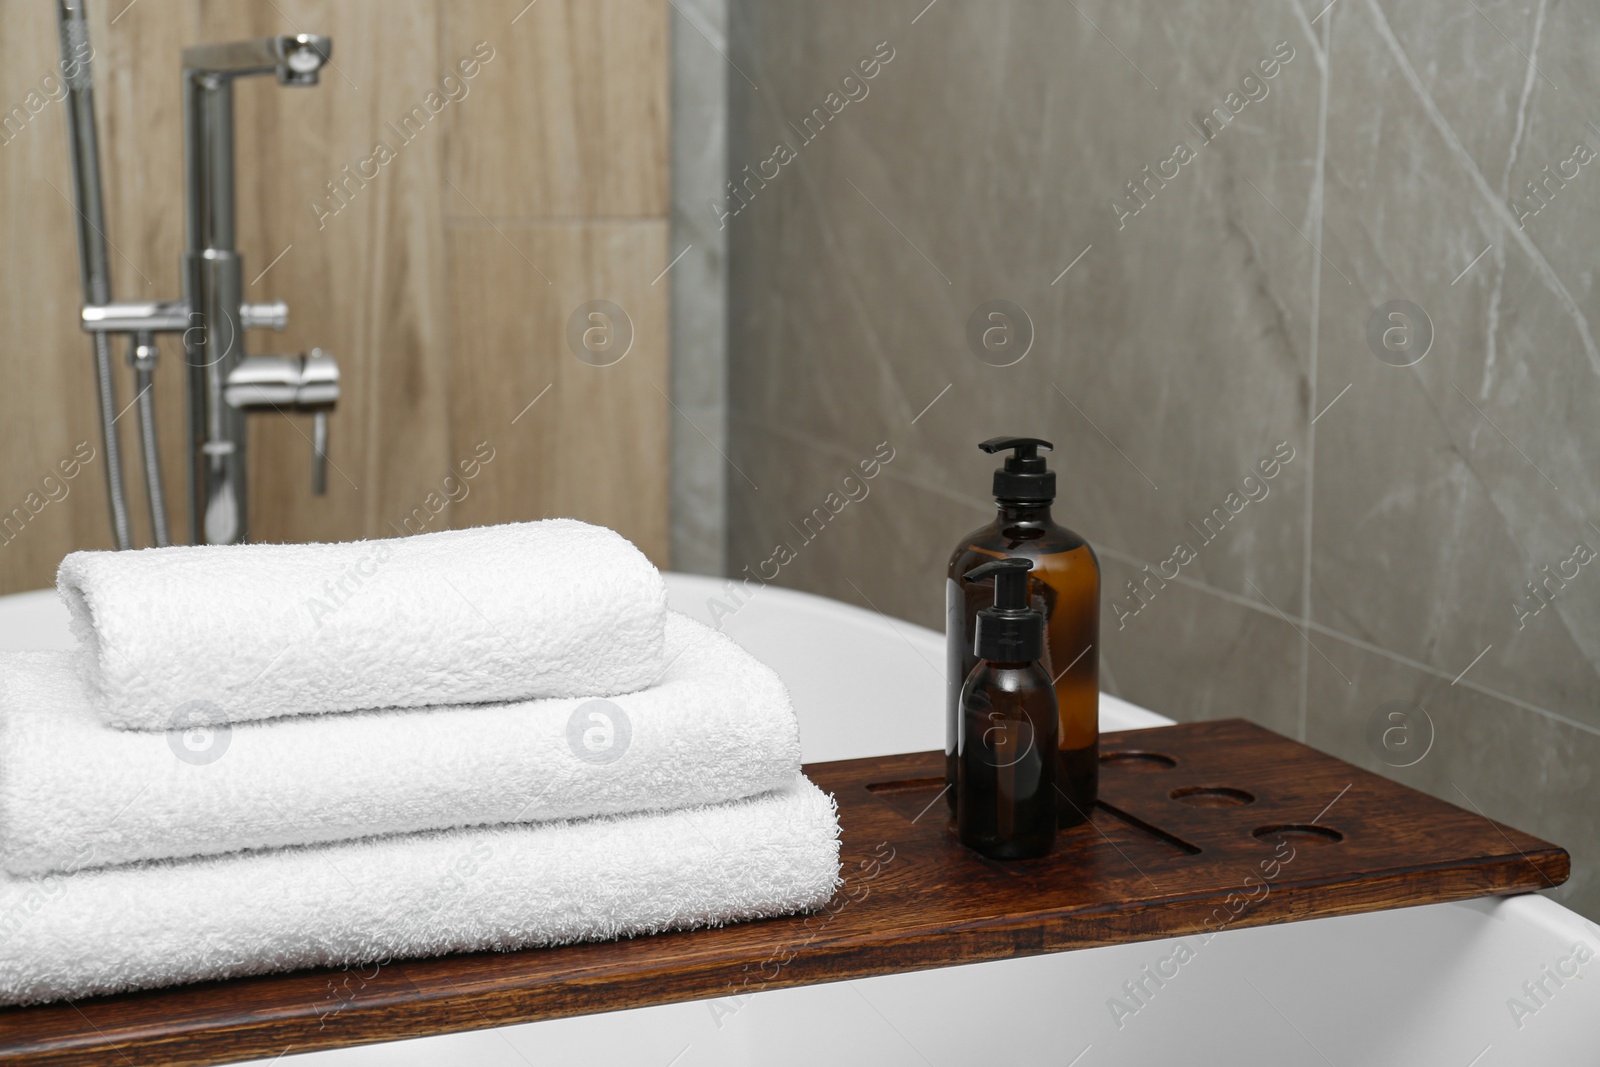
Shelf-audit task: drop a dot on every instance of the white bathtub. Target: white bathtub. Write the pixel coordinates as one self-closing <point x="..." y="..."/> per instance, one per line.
<point x="1410" y="988"/>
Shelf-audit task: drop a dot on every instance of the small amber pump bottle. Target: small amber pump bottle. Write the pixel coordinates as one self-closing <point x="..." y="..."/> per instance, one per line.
<point x="1064" y="587"/>
<point x="1006" y="754"/>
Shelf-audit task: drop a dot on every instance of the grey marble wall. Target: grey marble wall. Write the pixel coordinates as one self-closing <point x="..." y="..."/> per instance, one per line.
<point x="1233" y="307"/>
<point x="699" y="286"/>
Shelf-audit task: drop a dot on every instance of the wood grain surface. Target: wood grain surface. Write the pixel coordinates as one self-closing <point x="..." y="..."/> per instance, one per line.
<point x="1202" y="826"/>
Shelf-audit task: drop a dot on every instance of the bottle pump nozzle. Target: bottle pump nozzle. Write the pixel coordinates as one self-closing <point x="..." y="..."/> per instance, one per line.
<point x="1009" y="631"/>
<point x="1024" y="478"/>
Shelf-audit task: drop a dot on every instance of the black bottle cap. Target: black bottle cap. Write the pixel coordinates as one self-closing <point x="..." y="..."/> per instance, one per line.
<point x="1024" y="478"/>
<point x="1010" y="631"/>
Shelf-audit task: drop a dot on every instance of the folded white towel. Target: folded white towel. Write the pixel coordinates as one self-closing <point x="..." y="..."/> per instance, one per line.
<point x="230" y="633"/>
<point x="116" y="928"/>
<point x="75" y="792"/>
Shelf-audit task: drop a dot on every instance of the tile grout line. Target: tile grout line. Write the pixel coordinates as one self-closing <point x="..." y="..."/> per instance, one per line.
<point x="1476" y="687"/>
<point x="1228" y="596"/>
<point x="446" y="321"/>
<point x="1338" y="635"/>
<point x="824" y="448"/>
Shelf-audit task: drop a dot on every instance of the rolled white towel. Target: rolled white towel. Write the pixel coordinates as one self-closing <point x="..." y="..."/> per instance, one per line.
<point x="231" y="633"/>
<point x="154" y="924"/>
<point x="76" y="793"/>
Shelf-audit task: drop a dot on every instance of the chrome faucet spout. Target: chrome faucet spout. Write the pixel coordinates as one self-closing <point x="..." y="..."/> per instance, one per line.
<point x="294" y="58"/>
<point x="213" y="274"/>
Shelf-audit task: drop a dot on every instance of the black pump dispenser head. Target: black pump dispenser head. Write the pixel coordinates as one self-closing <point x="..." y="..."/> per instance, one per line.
<point x="1024" y="478"/>
<point x="1010" y="631"/>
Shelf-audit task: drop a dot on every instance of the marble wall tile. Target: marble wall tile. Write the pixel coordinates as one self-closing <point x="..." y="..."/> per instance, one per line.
<point x="1188" y="340"/>
<point x="1444" y="487"/>
<point x="889" y="230"/>
<point x="699" y="29"/>
<point x="1198" y="655"/>
<point x="848" y="557"/>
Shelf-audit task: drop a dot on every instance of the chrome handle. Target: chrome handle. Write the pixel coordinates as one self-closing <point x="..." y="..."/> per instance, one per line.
<point x="319" y="453"/>
<point x="319" y="380"/>
<point x="304" y="382"/>
<point x="308" y="382"/>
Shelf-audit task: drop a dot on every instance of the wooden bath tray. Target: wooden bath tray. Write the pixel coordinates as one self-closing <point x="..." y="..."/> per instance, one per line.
<point x="1201" y="826"/>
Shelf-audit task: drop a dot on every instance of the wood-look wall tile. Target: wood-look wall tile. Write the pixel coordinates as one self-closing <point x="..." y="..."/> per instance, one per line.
<point x="47" y="404"/>
<point x="594" y="445"/>
<point x="570" y="117"/>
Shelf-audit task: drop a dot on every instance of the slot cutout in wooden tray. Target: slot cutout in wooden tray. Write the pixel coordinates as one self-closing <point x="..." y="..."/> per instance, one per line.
<point x="1280" y="833"/>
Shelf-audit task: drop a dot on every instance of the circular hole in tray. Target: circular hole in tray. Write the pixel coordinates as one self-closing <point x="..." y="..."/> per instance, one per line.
<point x="1212" y="796"/>
<point x="1135" y="760"/>
<point x="1298" y="833"/>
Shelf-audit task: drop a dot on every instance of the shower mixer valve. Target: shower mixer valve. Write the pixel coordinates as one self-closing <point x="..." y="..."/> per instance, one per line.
<point x="224" y="382"/>
<point x="308" y="382"/>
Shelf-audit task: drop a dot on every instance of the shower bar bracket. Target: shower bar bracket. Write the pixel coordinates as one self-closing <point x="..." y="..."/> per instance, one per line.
<point x="174" y="316"/>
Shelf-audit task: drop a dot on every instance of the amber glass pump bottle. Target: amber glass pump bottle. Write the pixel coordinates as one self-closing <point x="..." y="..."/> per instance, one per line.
<point x="1064" y="586"/>
<point x="1006" y="752"/>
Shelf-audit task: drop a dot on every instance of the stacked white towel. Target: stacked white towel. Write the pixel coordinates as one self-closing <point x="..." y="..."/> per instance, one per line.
<point x="231" y="633"/>
<point x="76" y="792"/>
<point x="590" y="766"/>
<point x="504" y="887"/>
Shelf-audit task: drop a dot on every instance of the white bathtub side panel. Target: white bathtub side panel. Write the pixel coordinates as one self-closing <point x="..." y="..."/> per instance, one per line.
<point x="1421" y="987"/>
